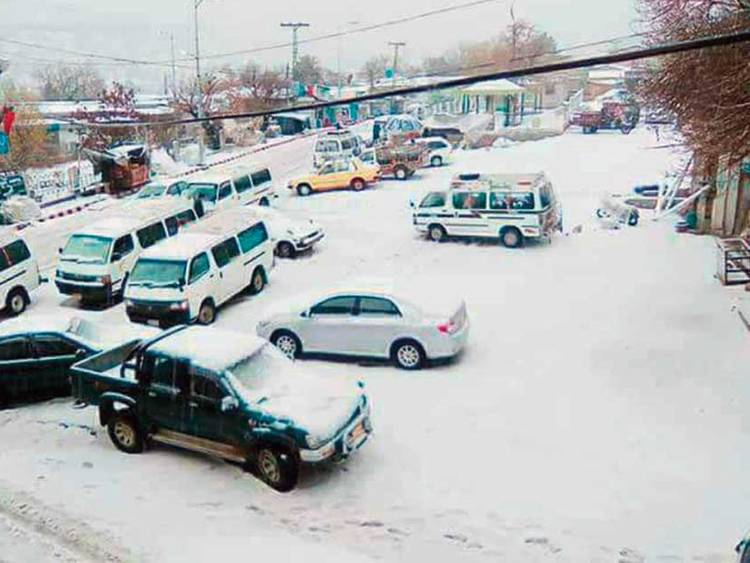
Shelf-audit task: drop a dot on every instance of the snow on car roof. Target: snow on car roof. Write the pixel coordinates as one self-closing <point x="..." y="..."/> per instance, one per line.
<point x="227" y="222"/>
<point x="507" y="181"/>
<point x="210" y="348"/>
<point x="8" y="235"/>
<point x="139" y="213"/>
<point x="182" y="247"/>
<point x="94" y="333"/>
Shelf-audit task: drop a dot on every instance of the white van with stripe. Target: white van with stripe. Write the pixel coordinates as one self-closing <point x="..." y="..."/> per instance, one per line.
<point x="511" y="207"/>
<point x="188" y="278"/>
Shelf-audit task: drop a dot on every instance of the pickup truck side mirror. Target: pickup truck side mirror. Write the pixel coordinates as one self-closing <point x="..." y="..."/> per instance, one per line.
<point x="80" y="354"/>
<point x="229" y="404"/>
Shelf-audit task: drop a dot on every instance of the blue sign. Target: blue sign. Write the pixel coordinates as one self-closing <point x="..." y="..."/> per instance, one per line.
<point x="4" y="143"/>
<point x="389" y="73"/>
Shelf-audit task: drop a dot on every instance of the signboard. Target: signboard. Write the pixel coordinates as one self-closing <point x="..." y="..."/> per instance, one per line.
<point x="11" y="184"/>
<point x="389" y="73"/>
<point x="4" y="143"/>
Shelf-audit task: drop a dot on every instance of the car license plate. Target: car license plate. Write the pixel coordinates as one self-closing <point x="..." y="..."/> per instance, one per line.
<point x="152" y="322"/>
<point x="357" y="432"/>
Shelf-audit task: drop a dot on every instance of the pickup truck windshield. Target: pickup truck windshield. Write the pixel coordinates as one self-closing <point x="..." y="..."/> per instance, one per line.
<point x="153" y="190"/>
<point x="252" y="376"/>
<point x="164" y="273"/>
<point x="87" y="249"/>
<point x="206" y="192"/>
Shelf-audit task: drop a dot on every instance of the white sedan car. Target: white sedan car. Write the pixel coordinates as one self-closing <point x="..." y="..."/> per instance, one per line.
<point x="291" y="235"/>
<point x="440" y="150"/>
<point x="371" y="324"/>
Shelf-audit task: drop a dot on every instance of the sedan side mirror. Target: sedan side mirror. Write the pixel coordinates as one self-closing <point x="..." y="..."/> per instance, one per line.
<point x="229" y="404"/>
<point x="305" y="314"/>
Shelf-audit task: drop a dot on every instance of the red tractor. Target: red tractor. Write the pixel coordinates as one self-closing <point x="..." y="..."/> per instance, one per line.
<point x="613" y="115"/>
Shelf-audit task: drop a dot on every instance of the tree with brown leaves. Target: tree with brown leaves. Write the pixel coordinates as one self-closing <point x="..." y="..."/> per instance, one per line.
<point x="707" y="90"/>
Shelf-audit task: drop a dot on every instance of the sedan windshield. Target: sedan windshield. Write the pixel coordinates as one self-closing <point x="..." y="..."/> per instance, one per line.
<point x="154" y="190"/>
<point x="87" y="248"/>
<point x="158" y="273"/>
<point x="206" y="192"/>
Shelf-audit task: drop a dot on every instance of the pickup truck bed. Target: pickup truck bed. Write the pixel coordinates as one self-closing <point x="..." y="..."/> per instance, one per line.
<point x="102" y="373"/>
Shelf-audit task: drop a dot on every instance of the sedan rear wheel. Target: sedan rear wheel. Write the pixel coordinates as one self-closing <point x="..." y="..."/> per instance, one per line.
<point x="304" y="190"/>
<point x="409" y="355"/>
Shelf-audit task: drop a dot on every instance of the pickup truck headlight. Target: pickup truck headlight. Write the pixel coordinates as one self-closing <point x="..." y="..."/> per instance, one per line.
<point x="128" y="303"/>
<point x="314" y="442"/>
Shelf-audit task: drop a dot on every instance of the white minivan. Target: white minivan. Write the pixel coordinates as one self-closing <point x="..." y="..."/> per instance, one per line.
<point x="232" y="187"/>
<point x="187" y="278"/>
<point x="335" y="145"/>
<point x="511" y="207"/>
<point x="19" y="272"/>
<point x="97" y="259"/>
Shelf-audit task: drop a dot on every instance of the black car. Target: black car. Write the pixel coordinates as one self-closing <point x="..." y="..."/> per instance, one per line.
<point x="36" y="353"/>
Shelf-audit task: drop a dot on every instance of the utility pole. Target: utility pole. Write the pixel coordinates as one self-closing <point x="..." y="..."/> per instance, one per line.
<point x="295" y="26"/>
<point x="198" y="82"/>
<point x="174" y="65"/>
<point x="396" y="46"/>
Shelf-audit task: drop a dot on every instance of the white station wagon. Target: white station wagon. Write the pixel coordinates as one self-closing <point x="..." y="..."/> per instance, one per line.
<point x="371" y="324"/>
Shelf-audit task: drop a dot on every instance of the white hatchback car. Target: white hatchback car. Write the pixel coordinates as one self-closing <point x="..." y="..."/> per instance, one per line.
<point x="371" y="324"/>
<point x="291" y="235"/>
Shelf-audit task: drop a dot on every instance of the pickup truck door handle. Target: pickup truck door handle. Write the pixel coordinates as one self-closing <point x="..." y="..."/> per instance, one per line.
<point x="152" y="393"/>
<point x="192" y="404"/>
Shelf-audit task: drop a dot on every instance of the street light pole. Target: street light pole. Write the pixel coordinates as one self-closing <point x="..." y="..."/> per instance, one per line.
<point x="198" y="84"/>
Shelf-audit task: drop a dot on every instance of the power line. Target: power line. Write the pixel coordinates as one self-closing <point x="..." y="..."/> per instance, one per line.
<point x="624" y="56"/>
<point x="124" y="60"/>
<point x="363" y="29"/>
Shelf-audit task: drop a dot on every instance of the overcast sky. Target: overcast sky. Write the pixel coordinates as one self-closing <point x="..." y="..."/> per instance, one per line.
<point x="140" y="28"/>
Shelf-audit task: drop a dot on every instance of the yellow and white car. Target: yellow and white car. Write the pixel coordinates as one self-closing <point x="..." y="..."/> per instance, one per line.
<point x="336" y="175"/>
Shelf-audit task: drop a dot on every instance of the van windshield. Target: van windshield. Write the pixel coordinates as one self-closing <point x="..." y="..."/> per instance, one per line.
<point x="87" y="248"/>
<point x="158" y="273"/>
<point x="433" y="199"/>
<point x="152" y="190"/>
<point x="206" y="192"/>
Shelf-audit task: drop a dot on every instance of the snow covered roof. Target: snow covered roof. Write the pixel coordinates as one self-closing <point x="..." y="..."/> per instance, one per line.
<point x="501" y="87"/>
<point x="227" y="222"/>
<point x="210" y="348"/>
<point x="182" y="247"/>
<point x="508" y="181"/>
<point x="139" y="213"/>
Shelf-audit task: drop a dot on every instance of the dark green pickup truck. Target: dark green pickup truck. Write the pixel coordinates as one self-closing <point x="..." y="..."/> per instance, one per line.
<point x="225" y="394"/>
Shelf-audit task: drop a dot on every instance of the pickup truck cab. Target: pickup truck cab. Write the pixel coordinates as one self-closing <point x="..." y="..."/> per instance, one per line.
<point x="225" y="394"/>
<point x="399" y="161"/>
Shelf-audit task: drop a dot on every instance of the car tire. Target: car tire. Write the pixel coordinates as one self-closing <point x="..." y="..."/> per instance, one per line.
<point x="277" y="468"/>
<point x="436" y="161"/>
<point x="633" y="218"/>
<point x="304" y="190"/>
<point x="257" y="281"/>
<point x="285" y="249"/>
<point x="408" y="355"/>
<point x="264" y="202"/>
<point x="511" y="237"/>
<point x="17" y="301"/>
<point x="121" y="293"/>
<point x="206" y="313"/>
<point x="287" y="343"/>
<point x="401" y="173"/>
<point x="437" y="233"/>
<point x="358" y="184"/>
<point x="124" y="432"/>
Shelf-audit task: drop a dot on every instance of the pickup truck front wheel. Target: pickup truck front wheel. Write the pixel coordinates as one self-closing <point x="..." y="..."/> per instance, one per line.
<point x="277" y="468"/>
<point x="125" y="434"/>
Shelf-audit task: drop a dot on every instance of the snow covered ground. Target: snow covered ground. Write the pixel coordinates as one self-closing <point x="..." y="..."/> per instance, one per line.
<point x="598" y="413"/>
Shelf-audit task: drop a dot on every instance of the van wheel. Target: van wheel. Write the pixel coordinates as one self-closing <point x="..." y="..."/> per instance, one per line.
<point x="401" y="173"/>
<point x="304" y="190"/>
<point x="17" y="301"/>
<point x="358" y="184"/>
<point x="408" y="355"/>
<point x="287" y="343"/>
<point x="436" y="161"/>
<point x="437" y="233"/>
<point x="277" y="468"/>
<point x="124" y="433"/>
<point x="511" y="237"/>
<point x="207" y="312"/>
<point x="264" y="202"/>
<point x="285" y="250"/>
<point x="257" y="281"/>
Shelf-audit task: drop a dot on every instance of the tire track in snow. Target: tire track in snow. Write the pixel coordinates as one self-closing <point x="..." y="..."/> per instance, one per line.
<point x="41" y="531"/>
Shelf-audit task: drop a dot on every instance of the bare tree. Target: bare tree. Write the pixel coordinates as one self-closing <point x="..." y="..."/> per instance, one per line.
<point x="374" y="68"/>
<point x="70" y="83"/>
<point x="706" y="89"/>
<point x="257" y="89"/>
<point x="28" y="138"/>
<point x="309" y="70"/>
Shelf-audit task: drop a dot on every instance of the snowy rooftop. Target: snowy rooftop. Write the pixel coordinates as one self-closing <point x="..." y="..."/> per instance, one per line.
<point x="493" y="88"/>
<point x="182" y="247"/>
<point x="209" y="348"/>
<point x="226" y="222"/>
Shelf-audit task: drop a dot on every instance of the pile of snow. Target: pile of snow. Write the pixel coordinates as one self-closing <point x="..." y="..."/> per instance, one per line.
<point x="165" y="165"/>
<point x="18" y="209"/>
